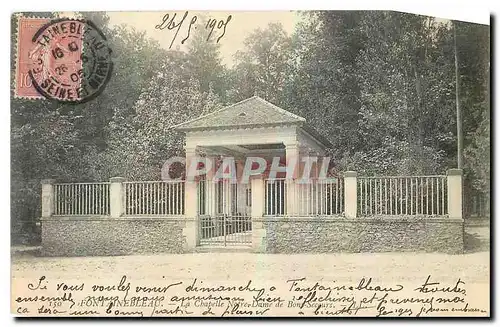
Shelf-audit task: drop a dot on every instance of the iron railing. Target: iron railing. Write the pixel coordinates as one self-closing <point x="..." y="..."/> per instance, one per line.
<point x="312" y="197"/>
<point x="320" y="197"/>
<point x="402" y="195"/>
<point x="154" y="198"/>
<point x="275" y="197"/>
<point x="388" y="195"/>
<point x="81" y="199"/>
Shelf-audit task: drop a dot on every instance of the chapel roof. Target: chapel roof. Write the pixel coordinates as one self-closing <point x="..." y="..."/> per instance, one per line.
<point x="249" y="113"/>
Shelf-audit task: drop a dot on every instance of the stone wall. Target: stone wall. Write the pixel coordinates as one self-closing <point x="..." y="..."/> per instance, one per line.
<point x="87" y="236"/>
<point x="395" y="234"/>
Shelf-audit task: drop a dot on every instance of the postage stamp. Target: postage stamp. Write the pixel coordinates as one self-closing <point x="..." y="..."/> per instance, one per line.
<point x="250" y="164"/>
<point x="67" y="60"/>
<point x="26" y="29"/>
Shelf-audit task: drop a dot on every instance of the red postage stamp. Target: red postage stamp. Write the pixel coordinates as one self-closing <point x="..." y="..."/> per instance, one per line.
<point x="63" y="59"/>
<point x="26" y="29"/>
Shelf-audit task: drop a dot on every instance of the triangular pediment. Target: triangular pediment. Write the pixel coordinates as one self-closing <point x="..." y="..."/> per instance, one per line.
<point x="252" y="112"/>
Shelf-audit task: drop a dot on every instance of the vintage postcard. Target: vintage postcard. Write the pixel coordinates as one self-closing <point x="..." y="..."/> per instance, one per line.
<point x="249" y="164"/>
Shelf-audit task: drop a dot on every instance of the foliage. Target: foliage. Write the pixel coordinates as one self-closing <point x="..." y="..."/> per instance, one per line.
<point x="139" y="149"/>
<point x="51" y="140"/>
<point x="262" y="67"/>
<point x="203" y="60"/>
<point x="380" y="86"/>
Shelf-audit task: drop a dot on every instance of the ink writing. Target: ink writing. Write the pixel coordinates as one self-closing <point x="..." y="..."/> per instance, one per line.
<point x="215" y="28"/>
<point x="135" y="297"/>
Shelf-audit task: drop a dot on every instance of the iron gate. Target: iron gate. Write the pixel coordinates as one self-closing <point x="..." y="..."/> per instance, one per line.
<point x="224" y="213"/>
<point x="225" y="230"/>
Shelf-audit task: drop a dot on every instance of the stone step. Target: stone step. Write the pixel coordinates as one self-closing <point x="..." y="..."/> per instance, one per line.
<point x="223" y="249"/>
<point x="23" y="250"/>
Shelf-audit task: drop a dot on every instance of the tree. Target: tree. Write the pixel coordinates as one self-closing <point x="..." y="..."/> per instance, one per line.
<point x="65" y="141"/>
<point x="325" y="88"/>
<point x="474" y="72"/>
<point x="140" y="150"/>
<point x="204" y="62"/>
<point x="262" y="67"/>
<point x="406" y="91"/>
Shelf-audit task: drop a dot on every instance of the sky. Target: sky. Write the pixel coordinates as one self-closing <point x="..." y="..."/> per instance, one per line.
<point x="240" y="25"/>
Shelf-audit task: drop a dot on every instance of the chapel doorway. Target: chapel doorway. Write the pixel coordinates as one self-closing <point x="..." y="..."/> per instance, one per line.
<point x="224" y="213"/>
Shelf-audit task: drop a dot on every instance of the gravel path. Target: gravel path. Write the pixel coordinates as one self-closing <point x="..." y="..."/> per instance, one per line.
<point x="408" y="269"/>
<point x="473" y="267"/>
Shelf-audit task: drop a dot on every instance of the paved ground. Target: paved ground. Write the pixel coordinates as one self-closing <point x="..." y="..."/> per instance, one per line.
<point x="401" y="268"/>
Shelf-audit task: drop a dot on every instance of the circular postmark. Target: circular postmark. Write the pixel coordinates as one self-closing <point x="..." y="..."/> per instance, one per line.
<point x="70" y="61"/>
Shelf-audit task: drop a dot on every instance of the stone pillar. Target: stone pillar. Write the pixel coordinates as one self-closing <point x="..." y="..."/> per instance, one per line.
<point x="350" y="194"/>
<point x="258" y="229"/>
<point x="190" y="205"/>
<point x="116" y="205"/>
<point x="292" y="152"/>
<point x="210" y="203"/>
<point x="454" y="183"/>
<point x="47" y="197"/>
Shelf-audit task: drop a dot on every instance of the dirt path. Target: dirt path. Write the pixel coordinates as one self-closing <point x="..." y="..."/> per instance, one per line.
<point x="392" y="266"/>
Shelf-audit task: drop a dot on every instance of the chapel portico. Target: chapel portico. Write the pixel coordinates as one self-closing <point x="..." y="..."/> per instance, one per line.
<point x="252" y="128"/>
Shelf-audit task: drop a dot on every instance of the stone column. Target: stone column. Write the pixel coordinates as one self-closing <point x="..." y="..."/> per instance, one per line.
<point x="190" y="230"/>
<point x="210" y="205"/>
<point x="116" y="205"/>
<point x="292" y="152"/>
<point x="47" y="197"/>
<point x="454" y="183"/>
<point x="258" y="229"/>
<point x="350" y="194"/>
